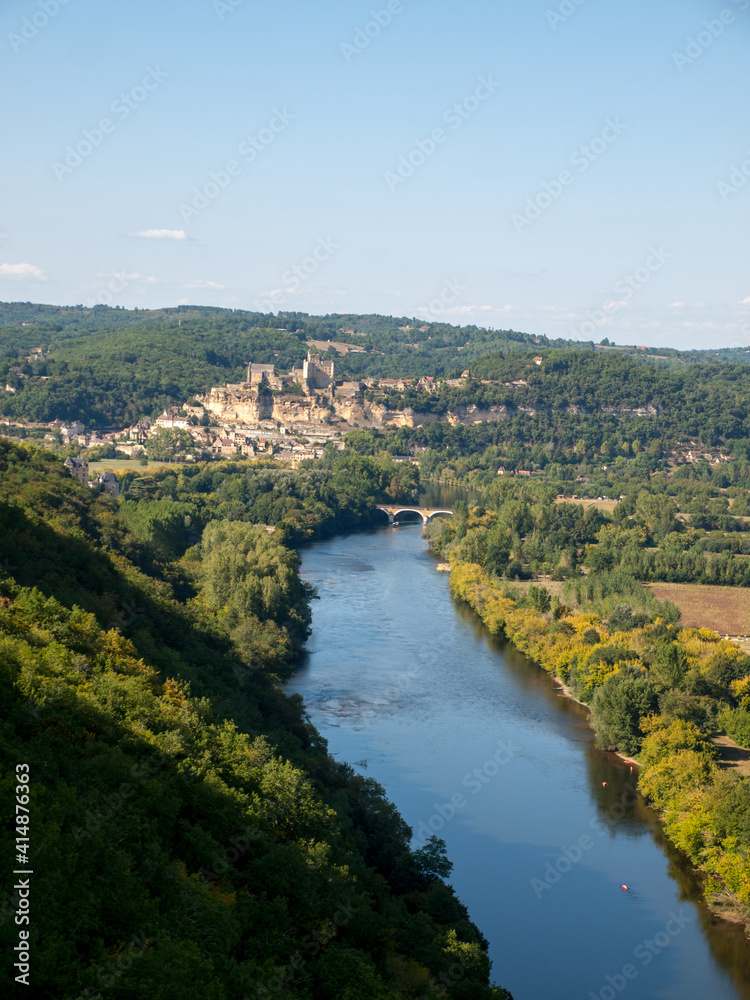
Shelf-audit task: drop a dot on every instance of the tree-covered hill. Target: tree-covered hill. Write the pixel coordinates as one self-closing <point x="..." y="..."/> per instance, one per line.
<point x="189" y="835"/>
<point x="581" y="405"/>
<point x="111" y="366"/>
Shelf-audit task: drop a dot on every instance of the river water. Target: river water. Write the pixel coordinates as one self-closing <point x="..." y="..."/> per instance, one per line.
<point x="475" y="744"/>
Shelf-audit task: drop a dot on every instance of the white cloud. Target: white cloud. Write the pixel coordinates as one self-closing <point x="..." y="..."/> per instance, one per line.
<point x="162" y="234"/>
<point x="22" y="271"/>
<point x="745" y="302"/>
<point x="204" y="284"/>
<point x="676" y="305"/>
<point x="128" y="276"/>
<point x="470" y="310"/>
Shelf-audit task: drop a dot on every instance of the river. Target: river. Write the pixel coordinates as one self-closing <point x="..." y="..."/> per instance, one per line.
<point x="476" y="744"/>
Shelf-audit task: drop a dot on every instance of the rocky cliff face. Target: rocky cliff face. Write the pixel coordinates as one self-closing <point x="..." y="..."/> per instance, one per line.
<point x="237" y="405"/>
<point x="639" y="411"/>
<point x="246" y="406"/>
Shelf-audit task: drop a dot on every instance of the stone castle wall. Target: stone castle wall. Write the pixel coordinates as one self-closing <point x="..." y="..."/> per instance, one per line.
<point x="245" y="405"/>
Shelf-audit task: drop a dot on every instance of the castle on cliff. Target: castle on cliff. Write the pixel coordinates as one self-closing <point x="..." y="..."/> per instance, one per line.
<point x="314" y="375"/>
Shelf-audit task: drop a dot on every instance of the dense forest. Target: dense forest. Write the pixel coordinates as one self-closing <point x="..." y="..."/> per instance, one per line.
<point x="189" y="833"/>
<point x="587" y="423"/>
<point x="683" y="399"/>
<point x="109" y="367"/>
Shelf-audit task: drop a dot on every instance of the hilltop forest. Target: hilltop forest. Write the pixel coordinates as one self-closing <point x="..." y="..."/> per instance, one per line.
<point x="190" y="835"/>
<point x="109" y="367"/>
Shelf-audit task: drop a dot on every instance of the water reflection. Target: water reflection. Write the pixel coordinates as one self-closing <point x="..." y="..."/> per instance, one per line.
<point x="412" y="687"/>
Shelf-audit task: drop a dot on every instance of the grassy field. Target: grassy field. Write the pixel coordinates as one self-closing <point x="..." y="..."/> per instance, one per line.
<point x="725" y="610"/>
<point x="555" y="587"/>
<point x="339" y="346"/>
<point x="608" y="505"/>
<point x="126" y="464"/>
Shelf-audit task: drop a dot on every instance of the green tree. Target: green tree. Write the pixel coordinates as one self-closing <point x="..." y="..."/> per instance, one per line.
<point x="540" y="598"/>
<point x="618" y="707"/>
<point x="432" y="859"/>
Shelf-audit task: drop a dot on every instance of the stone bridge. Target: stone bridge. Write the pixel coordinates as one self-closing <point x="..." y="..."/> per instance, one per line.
<point x="426" y="513"/>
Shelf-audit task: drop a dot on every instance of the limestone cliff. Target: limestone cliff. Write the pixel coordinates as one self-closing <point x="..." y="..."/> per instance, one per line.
<point x="241" y="405"/>
<point x="244" y="405"/>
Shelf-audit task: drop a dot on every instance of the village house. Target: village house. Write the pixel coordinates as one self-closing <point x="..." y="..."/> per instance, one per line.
<point x="72" y="430"/>
<point x="395" y="383"/>
<point x="140" y="431"/>
<point x="108" y="482"/>
<point x="225" y="446"/>
<point x="173" y="417"/>
<point x="78" y="468"/>
<point x="131" y="450"/>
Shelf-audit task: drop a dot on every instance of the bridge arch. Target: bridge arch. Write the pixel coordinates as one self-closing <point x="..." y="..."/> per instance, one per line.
<point x="404" y="515"/>
<point x="426" y="513"/>
<point x="439" y="514"/>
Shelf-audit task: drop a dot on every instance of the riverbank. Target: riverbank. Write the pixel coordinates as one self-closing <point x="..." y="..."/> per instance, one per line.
<point x="411" y="690"/>
<point x="679" y="776"/>
<point x="568" y="693"/>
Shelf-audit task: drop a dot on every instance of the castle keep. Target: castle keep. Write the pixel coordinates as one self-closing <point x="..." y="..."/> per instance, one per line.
<point x="314" y="375"/>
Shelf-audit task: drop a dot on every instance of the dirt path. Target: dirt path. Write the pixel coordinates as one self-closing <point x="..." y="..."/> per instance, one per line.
<point x="731" y="755"/>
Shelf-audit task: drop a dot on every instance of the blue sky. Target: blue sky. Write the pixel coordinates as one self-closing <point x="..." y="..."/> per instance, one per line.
<point x="571" y="169"/>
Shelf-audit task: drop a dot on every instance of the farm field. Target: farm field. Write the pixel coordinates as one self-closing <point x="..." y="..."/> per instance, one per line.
<point x="608" y="505"/>
<point x="115" y="464"/>
<point x="338" y="345"/>
<point x="725" y="610"/>
<point x="555" y="587"/>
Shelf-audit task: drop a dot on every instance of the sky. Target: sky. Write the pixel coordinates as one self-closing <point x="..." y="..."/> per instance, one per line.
<point x="577" y="169"/>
